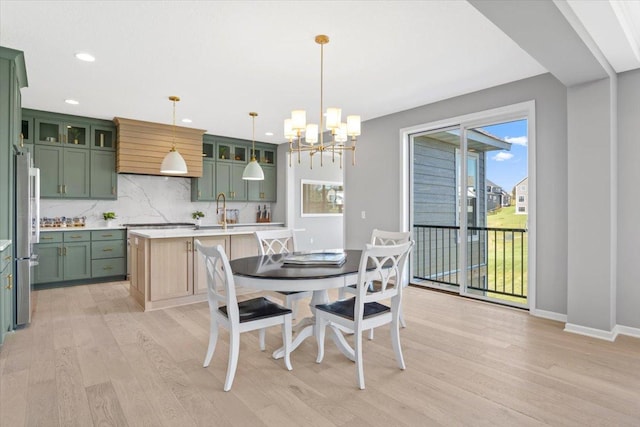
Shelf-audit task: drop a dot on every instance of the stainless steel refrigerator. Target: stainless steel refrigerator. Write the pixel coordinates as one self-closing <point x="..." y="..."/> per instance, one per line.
<point x="27" y="232"/>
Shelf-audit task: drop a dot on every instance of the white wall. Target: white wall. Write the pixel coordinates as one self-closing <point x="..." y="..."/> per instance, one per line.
<point x="628" y="292"/>
<point x="372" y="186"/>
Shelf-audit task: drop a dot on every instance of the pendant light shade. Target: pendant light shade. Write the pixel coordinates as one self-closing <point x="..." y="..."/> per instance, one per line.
<point x="173" y="163"/>
<point x="253" y="171"/>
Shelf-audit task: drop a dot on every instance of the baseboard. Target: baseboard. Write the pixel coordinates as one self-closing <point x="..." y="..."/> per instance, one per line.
<point x="627" y="330"/>
<point x="591" y="332"/>
<point x="551" y="315"/>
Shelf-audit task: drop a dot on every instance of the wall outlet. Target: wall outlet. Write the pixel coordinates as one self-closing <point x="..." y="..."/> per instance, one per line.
<point x="363" y="214"/>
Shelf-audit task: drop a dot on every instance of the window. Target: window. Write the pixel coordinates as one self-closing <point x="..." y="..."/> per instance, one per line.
<point x="521" y="199"/>
<point x="321" y="198"/>
<point x="521" y="209"/>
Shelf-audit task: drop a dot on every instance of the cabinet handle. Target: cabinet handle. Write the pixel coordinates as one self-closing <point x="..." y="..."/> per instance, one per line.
<point x="107" y="250"/>
<point x="64" y="251"/>
<point x="60" y="189"/>
<point x="10" y="281"/>
<point x="188" y="245"/>
<point x="21" y="140"/>
<point x="199" y="193"/>
<point x="108" y="267"/>
<point x="113" y="190"/>
<point x="59" y="251"/>
<point x="107" y="235"/>
<point x="76" y="237"/>
<point x="64" y="189"/>
<point x="7" y="258"/>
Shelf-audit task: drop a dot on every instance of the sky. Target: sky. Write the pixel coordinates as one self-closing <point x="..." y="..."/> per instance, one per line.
<point x="507" y="168"/>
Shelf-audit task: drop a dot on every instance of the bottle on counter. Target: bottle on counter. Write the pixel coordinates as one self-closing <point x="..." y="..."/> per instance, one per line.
<point x="258" y="215"/>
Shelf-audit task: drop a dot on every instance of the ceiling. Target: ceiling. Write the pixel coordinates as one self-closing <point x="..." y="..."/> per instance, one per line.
<point x="227" y="58"/>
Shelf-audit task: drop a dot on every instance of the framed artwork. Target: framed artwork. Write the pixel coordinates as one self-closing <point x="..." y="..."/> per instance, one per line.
<point x="321" y="198"/>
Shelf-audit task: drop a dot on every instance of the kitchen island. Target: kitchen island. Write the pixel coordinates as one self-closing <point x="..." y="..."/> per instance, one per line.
<point x="166" y="270"/>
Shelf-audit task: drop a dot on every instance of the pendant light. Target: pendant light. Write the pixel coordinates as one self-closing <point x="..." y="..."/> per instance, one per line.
<point x="253" y="171"/>
<point x="173" y="163"/>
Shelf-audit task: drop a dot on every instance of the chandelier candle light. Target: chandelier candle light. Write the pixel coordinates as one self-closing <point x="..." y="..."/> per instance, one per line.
<point x="173" y="163"/>
<point x="253" y="171"/>
<point x="296" y="127"/>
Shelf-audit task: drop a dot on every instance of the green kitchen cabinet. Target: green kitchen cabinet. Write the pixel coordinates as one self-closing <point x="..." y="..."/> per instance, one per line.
<point x="265" y="154"/>
<point x="229" y="181"/>
<point x="26" y="131"/>
<point x="6" y="292"/>
<point x="50" y="266"/>
<point x="265" y="190"/>
<point x="104" y="179"/>
<point x="103" y="137"/>
<point x="66" y="133"/>
<point x="204" y="188"/>
<point x="64" y="171"/>
<point x="108" y="253"/>
<point x="232" y="152"/>
<point x="63" y="255"/>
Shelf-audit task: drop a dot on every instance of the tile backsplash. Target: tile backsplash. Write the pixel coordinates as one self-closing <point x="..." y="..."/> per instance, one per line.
<point x="146" y="199"/>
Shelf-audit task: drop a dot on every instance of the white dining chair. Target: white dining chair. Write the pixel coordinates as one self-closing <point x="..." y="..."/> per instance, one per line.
<point x="237" y="317"/>
<point x="281" y="242"/>
<point x="364" y="311"/>
<point x="382" y="237"/>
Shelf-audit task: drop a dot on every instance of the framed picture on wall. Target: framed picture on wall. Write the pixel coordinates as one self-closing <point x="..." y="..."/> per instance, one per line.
<point x="321" y="198"/>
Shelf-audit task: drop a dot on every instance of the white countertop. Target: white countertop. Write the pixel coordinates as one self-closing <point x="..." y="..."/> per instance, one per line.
<point x="167" y="233"/>
<point x="4" y="244"/>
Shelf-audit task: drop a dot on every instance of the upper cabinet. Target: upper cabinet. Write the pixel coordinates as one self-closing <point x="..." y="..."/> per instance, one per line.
<point x="62" y="132"/>
<point x="224" y="160"/>
<point x="76" y="155"/>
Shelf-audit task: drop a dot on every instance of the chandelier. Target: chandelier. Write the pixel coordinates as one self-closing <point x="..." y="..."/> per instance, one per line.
<point x="296" y="128"/>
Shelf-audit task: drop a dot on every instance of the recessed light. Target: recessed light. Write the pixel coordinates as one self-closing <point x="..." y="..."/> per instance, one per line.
<point x="269" y="133"/>
<point x="86" y="57"/>
<point x="71" y="101"/>
<point x="187" y="120"/>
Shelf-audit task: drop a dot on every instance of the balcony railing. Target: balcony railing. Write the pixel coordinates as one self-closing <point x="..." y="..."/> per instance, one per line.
<point x="496" y="259"/>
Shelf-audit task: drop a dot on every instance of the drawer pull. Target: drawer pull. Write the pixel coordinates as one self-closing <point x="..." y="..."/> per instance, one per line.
<point x="108" y="267"/>
<point x="76" y="237"/>
<point x="107" y="235"/>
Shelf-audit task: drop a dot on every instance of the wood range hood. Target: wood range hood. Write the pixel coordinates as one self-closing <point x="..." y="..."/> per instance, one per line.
<point x="143" y="145"/>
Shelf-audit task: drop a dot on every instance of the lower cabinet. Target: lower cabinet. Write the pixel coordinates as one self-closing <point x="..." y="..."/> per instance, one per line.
<point x="168" y="272"/>
<point x="6" y="292"/>
<point x="77" y="255"/>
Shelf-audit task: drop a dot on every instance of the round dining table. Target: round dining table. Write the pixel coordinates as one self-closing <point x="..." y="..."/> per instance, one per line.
<point x="271" y="273"/>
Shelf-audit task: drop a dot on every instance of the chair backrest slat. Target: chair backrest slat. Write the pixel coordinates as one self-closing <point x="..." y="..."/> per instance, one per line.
<point x="221" y="288"/>
<point x="388" y="262"/>
<point x="276" y="241"/>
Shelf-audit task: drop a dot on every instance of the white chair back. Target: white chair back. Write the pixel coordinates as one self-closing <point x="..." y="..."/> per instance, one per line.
<point x="383" y="238"/>
<point x="389" y="262"/>
<point x="221" y="288"/>
<point x="276" y="241"/>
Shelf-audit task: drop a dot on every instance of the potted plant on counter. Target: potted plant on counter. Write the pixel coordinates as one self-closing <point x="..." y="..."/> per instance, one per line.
<point x="198" y="215"/>
<point x="109" y="217"/>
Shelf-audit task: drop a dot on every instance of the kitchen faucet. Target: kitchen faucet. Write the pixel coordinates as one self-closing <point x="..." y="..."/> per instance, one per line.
<point x="224" y="209"/>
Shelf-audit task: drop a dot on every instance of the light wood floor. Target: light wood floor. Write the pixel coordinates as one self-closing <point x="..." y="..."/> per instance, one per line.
<point x="92" y="357"/>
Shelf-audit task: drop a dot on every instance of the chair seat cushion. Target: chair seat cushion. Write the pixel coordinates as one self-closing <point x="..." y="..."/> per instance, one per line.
<point x="346" y="308"/>
<point x="257" y="308"/>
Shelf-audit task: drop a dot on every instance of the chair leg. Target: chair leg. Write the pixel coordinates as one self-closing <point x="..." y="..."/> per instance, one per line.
<point x="320" y="333"/>
<point x="261" y="334"/>
<point x="286" y="339"/>
<point x="402" y="322"/>
<point x="213" y="339"/>
<point x="358" y="353"/>
<point x="395" y="342"/>
<point x="234" y="350"/>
